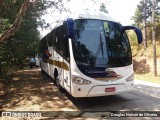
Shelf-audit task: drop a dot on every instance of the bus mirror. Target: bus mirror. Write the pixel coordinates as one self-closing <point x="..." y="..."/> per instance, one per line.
<point x="136" y="30"/>
<point x="70" y="28"/>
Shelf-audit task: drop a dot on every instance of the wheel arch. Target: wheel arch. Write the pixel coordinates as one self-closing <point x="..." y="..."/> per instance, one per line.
<point x="55" y="73"/>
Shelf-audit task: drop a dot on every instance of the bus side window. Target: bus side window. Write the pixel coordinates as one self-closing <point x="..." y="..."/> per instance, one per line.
<point x="50" y="39"/>
<point x="53" y="35"/>
<point x="55" y="41"/>
<point x="65" y="42"/>
<point x="43" y="47"/>
<point x="61" y="41"/>
<point x="66" y="47"/>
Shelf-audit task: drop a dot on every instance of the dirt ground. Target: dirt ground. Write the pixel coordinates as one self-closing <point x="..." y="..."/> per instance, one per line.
<point x="31" y="90"/>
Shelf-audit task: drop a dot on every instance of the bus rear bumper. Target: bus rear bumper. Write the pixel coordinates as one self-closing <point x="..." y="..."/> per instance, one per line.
<point x="108" y="90"/>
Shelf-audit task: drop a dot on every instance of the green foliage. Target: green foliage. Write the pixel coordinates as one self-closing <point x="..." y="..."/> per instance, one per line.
<point x="7" y="60"/>
<point x="103" y="8"/>
<point x="5" y="50"/>
<point x="11" y="7"/>
<point x="8" y="12"/>
<point x="4" y="24"/>
<point x="132" y="37"/>
<point x="138" y="16"/>
<point x="26" y="40"/>
<point x="138" y="50"/>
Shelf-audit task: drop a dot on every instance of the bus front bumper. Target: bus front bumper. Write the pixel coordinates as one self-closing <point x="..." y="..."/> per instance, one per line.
<point x="107" y="90"/>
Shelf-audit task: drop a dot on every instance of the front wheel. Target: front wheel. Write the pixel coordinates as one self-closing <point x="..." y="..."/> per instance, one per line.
<point x="58" y="84"/>
<point x="42" y="71"/>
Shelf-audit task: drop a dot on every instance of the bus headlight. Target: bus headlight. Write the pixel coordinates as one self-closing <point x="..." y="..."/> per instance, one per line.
<point x="130" y="78"/>
<point x="80" y="81"/>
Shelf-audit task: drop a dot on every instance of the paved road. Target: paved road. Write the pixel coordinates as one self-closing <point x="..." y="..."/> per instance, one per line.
<point x="144" y="97"/>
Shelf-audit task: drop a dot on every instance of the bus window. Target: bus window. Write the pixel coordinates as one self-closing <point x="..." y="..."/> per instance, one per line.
<point x="61" y="41"/>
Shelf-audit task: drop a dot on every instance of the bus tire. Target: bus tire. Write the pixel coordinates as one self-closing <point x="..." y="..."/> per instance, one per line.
<point x="42" y="71"/>
<point x="57" y="81"/>
<point x="58" y="84"/>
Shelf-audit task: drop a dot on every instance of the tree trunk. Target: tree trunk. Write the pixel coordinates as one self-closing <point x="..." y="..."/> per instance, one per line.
<point x="144" y="25"/>
<point x="154" y="38"/>
<point x="14" y="27"/>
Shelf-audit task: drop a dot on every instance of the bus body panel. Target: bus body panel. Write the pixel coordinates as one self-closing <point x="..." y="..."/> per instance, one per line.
<point x="100" y="90"/>
<point x="57" y="62"/>
<point x="120" y="84"/>
<point x="97" y="87"/>
<point x="51" y="67"/>
<point x="45" y="66"/>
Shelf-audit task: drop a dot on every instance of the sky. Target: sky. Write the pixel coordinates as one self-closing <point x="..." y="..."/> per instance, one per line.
<point x="121" y="10"/>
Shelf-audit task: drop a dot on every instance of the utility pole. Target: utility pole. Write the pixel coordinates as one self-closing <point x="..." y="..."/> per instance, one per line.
<point x="154" y="38"/>
<point x="144" y="25"/>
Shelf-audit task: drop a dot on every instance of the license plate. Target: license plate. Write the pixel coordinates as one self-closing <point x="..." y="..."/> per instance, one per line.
<point x="111" y="89"/>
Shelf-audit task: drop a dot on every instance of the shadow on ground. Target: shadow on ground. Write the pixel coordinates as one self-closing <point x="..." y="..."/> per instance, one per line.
<point x="32" y="90"/>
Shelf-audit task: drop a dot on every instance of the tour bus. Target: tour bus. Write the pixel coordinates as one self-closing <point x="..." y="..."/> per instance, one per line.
<point x="88" y="54"/>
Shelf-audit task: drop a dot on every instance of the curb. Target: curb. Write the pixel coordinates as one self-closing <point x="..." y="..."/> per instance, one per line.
<point x="136" y="81"/>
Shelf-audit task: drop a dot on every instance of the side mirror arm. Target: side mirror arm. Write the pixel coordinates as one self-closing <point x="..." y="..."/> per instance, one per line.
<point x="136" y="30"/>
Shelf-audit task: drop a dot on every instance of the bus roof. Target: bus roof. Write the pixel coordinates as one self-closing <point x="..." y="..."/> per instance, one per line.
<point x="87" y="14"/>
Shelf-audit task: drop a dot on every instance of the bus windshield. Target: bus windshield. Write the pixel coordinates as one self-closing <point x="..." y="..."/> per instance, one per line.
<point x="101" y="43"/>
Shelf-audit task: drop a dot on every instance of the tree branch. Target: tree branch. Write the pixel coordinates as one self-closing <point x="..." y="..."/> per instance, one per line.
<point x="14" y="27"/>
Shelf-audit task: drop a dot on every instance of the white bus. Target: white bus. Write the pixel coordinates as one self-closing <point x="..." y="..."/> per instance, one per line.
<point x="89" y="55"/>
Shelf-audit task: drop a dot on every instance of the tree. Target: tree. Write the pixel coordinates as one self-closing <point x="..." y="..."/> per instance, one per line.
<point x="153" y="24"/>
<point x="103" y="8"/>
<point x="144" y="21"/>
<point x="8" y="12"/>
<point x="23" y="42"/>
<point x="138" y="16"/>
<point x="13" y="28"/>
<point x="19" y="35"/>
<point x="153" y="38"/>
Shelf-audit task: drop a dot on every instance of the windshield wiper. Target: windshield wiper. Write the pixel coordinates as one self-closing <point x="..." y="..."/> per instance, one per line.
<point x="100" y="46"/>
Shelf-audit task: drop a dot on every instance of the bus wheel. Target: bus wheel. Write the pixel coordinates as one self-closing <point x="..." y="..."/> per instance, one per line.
<point x="42" y="71"/>
<point x="58" y="84"/>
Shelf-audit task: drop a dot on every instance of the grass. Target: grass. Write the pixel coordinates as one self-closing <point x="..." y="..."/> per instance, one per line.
<point x="149" y="77"/>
